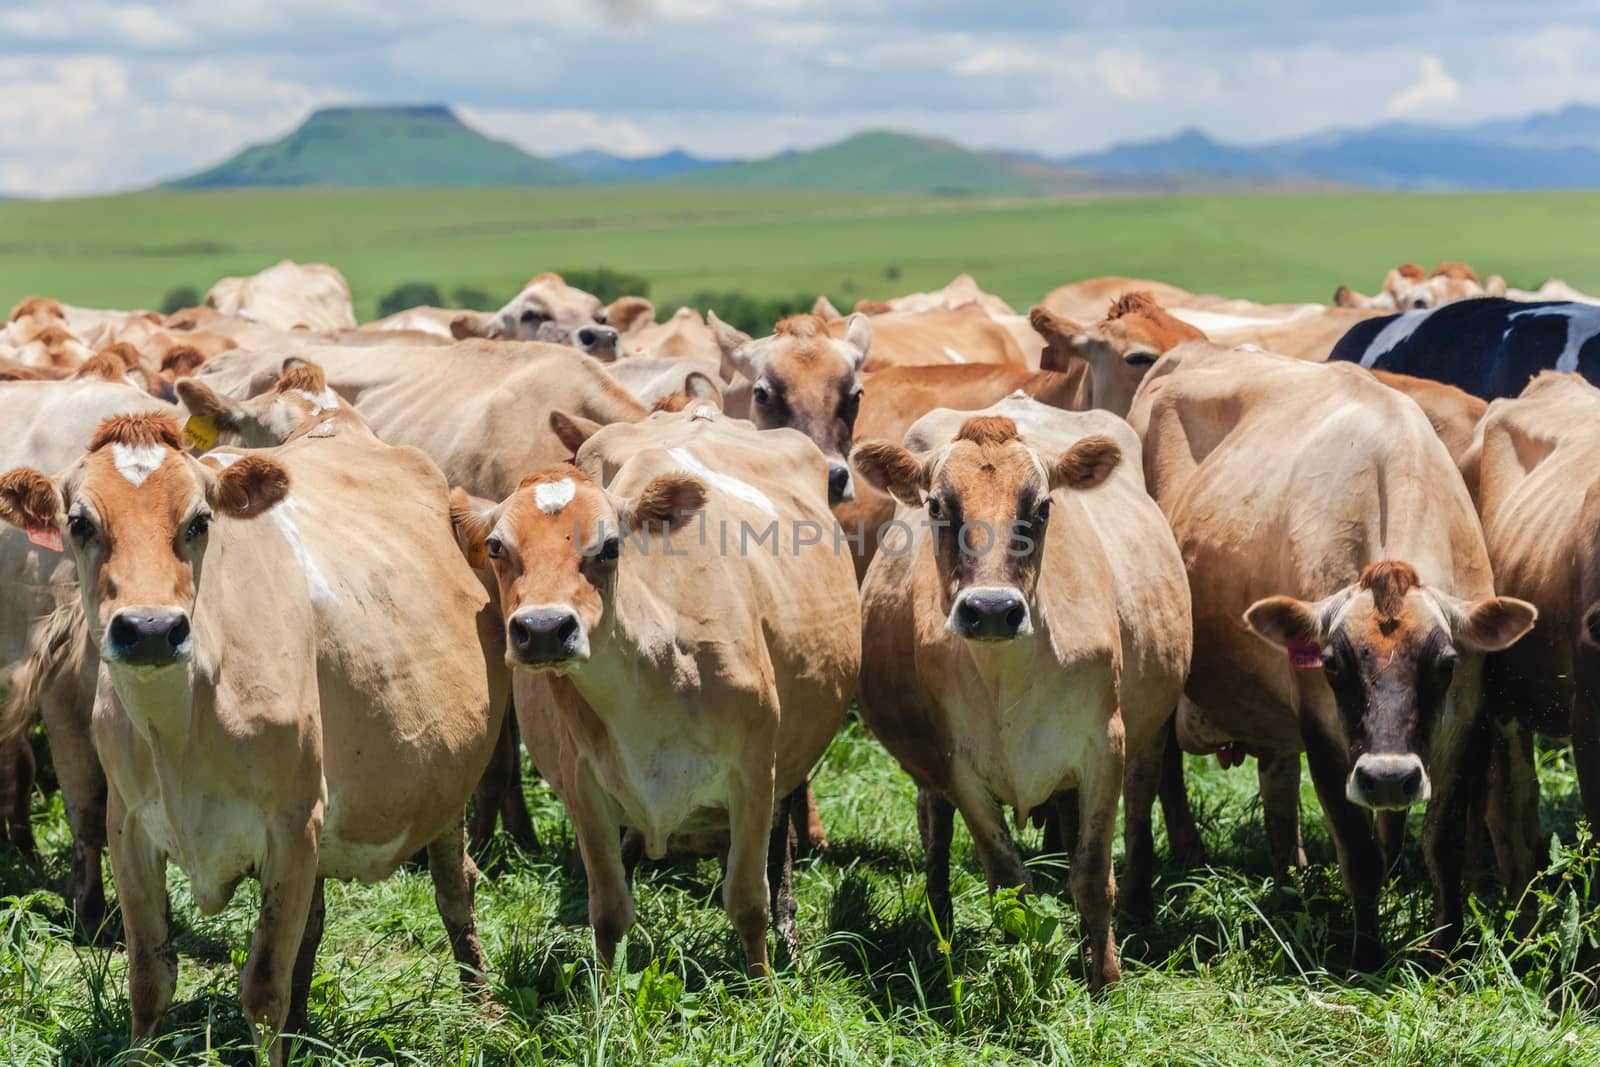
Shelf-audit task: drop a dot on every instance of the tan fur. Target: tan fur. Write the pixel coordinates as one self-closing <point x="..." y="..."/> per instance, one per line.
<point x="39" y="307"/>
<point x="145" y="428"/>
<point x="1389" y="581"/>
<point x="988" y="430"/>
<point x="1458" y="271"/>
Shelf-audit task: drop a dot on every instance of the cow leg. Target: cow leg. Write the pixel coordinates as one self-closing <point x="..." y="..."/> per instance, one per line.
<point x="1141" y="783"/>
<point x="454" y="880"/>
<point x="1279" y="776"/>
<point x="1002" y="864"/>
<point x="288" y="886"/>
<point x="936" y="819"/>
<point x="305" y="965"/>
<point x="600" y="846"/>
<point x="744" y="888"/>
<point x="141" y="872"/>
<point x="1458" y="768"/>
<point x="498" y="793"/>
<point x="1360" y="862"/>
<point x="514" y="814"/>
<point x="810" y="836"/>
<point x="1093" y="886"/>
<point x="67" y="707"/>
<point x="780" y="872"/>
<point x="1513" y="810"/>
<point x="16" y="797"/>
<point x="1184" y="844"/>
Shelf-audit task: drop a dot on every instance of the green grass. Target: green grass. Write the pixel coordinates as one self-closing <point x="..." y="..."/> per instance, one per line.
<point x="128" y="251"/>
<point x="1231" y="972"/>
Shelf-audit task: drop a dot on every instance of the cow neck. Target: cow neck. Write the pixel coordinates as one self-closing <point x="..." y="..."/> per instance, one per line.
<point x="159" y="704"/>
<point x="620" y="651"/>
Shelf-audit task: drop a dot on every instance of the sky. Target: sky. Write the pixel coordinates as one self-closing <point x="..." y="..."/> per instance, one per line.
<point x="98" y="96"/>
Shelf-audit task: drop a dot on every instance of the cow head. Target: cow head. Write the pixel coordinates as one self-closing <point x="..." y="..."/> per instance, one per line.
<point x="555" y="546"/>
<point x="1119" y="349"/>
<point x="301" y="394"/>
<point x="547" y="309"/>
<point x="135" y="513"/>
<point x="988" y="496"/>
<point x="1390" y="649"/>
<point x="803" y="379"/>
<point x="121" y="363"/>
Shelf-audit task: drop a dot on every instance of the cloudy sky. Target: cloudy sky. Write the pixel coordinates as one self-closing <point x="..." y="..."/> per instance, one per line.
<point x="101" y="96"/>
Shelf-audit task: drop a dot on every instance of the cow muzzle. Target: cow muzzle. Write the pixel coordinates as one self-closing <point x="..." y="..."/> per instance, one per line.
<point x="597" y="341"/>
<point x="841" y="487"/>
<point x="548" y="637"/>
<point x="993" y="614"/>
<point x="1388" y="782"/>
<point x="148" y="637"/>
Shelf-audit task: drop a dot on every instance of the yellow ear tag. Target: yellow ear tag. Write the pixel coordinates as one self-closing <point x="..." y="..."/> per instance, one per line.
<point x="201" y="432"/>
<point x="477" y="556"/>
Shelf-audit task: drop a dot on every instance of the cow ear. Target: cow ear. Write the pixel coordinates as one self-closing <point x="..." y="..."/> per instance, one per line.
<point x="666" y="500"/>
<point x="629" y="313"/>
<point x="1286" y="622"/>
<point x="1495" y="286"/>
<point x="1345" y="297"/>
<point x="891" y="469"/>
<point x="858" y="335"/>
<point x="1086" y="464"/>
<point x="573" y="430"/>
<point x="1493" y="623"/>
<point x="698" y="386"/>
<point x="472" y="324"/>
<point x="735" y="346"/>
<point x="30" y="500"/>
<point x="472" y="518"/>
<point x="824" y="310"/>
<point x="201" y="401"/>
<point x="1062" y="339"/>
<point x="249" y="486"/>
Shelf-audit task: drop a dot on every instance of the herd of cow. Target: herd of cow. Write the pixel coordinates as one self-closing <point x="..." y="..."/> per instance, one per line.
<point x="273" y="581"/>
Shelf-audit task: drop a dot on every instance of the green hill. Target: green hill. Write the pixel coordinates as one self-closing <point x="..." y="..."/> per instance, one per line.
<point x="877" y="161"/>
<point x="381" y="146"/>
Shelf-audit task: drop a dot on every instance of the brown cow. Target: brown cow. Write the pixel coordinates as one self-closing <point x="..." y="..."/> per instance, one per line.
<point x="288" y="296"/>
<point x="1034" y="642"/>
<point x="1533" y="471"/>
<point x="1119" y="349"/>
<point x="696" y="679"/>
<point x="1320" y="507"/>
<point x="965" y="334"/>
<point x="547" y="309"/>
<point x="289" y="730"/>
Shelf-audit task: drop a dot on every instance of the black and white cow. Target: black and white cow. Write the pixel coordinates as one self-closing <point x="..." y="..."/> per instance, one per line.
<point x="1489" y="347"/>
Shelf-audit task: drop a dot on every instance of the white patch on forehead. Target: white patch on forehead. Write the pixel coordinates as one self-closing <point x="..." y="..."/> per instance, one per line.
<point x="553" y="496"/>
<point x="283" y="518"/>
<point x="224" y="460"/>
<point x="137" y="462"/>
<point x="1397" y="330"/>
<point x="732" y="486"/>
<point x="1583" y="324"/>
<point x="955" y="357"/>
<point x="327" y="400"/>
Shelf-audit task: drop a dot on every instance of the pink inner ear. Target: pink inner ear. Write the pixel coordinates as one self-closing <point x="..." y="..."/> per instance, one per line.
<point x="1303" y="653"/>
<point x="45" y="537"/>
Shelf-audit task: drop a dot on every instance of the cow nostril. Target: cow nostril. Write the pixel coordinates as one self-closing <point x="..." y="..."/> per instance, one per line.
<point x="178" y="634"/>
<point x="519" y="633"/>
<point x="1364" y="780"/>
<point x="1413" y="782"/>
<point x="122" y="632"/>
<point x="567" y="630"/>
<point x="586" y="337"/>
<point x="967" y="615"/>
<point x="1015" y="616"/>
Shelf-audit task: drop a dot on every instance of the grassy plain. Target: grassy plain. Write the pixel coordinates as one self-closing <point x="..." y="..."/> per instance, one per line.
<point x="128" y="251"/>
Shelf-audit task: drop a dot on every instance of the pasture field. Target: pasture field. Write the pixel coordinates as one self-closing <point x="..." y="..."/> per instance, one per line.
<point x="1231" y="972"/>
<point x="128" y="251"/>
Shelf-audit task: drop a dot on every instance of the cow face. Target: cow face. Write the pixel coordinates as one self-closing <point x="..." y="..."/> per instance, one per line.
<point x="555" y="546"/>
<point x="988" y="498"/>
<point x="1392" y="652"/>
<point x="549" y="310"/>
<point x="803" y="379"/>
<point x="135" y="513"/>
<point x="301" y="395"/>
<point x="1119" y="349"/>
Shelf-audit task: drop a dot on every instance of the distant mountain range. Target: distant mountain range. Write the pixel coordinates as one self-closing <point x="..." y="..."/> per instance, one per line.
<point x="429" y="145"/>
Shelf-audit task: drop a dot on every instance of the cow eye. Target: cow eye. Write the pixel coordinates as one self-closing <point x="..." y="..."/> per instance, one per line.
<point x="198" y="527"/>
<point x="1140" y="359"/>
<point x="495" y="548"/>
<point x="531" y="316"/>
<point x="1042" y="512"/>
<point x="761" y="395"/>
<point x="935" y="508"/>
<point x="1446" y="665"/>
<point x="80" y="528"/>
<point x="610" y="549"/>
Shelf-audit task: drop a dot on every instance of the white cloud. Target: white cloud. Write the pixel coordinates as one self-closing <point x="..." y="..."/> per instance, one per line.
<point x="1129" y="73"/>
<point x="1001" y="59"/>
<point x="1434" y="88"/>
<point x="554" y="132"/>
